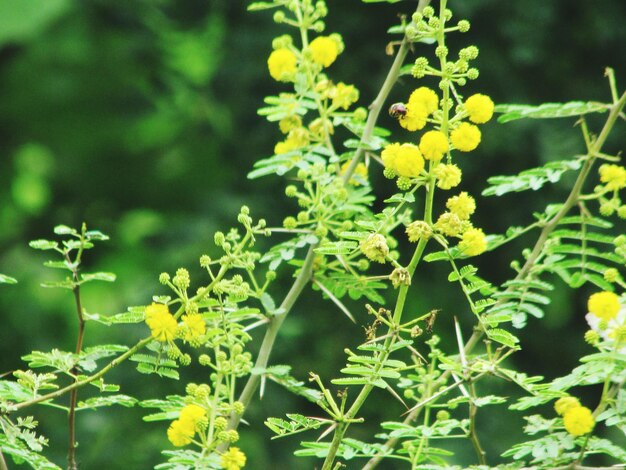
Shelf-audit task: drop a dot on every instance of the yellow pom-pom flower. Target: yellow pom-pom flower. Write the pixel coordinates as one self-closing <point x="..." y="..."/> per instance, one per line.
<point x="578" y="421"/>
<point x="415" y="117"/>
<point x="161" y="322"/>
<point x="424" y="97"/>
<point x="375" y="247"/>
<point x="462" y="205"/>
<point x="466" y="137"/>
<point x="473" y="242"/>
<point x="296" y="139"/>
<point x="614" y="176"/>
<point x="448" y="176"/>
<point x="409" y="161"/>
<point x="433" y="145"/>
<point x="604" y="305"/>
<point x="282" y="64"/>
<point x="192" y="413"/>
<point x="343" y="95"/>
<point x="194" y="326"/>
<point x="389" y="155"/>
<point x="565" y="403"/>
<point x="449" y="224"/>
<point x="479" y="108"/>
<point x="419" y="230"/>
<point x="324" y="50"/>
<point x="180" y="433"/>
<point x="233" y="459"/>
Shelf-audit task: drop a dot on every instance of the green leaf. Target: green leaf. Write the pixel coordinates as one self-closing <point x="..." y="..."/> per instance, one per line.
<point x="337" y="248"/>
<point x="43" y="244"/>
<point x="100" y="276"/>
<point x="297" y="423"/>
<point x="511" y="112"/>
<point x="20" y="453"/>
<point x="532" y="179"/>
<point x="67" y="284"/>
<point x="59" y="265"/>
<point x="268" y="303"/>
<point x="4" y="279"/>
<point x="109" y="400"/>
<point x="360" y="381"/>
<point x="64" y="230"/>
<point x="262" y="6"/>
<point x="604" y="446"/>
<point x="96" y="235"/>
<point x="502" y="337"/>
<point x="401" y="198"/>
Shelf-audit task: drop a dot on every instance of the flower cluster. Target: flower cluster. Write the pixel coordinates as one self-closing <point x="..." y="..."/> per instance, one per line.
<point x="455" y="222"/>
<point x="607" y="320"/>
<point x="430" y="161"/>
<point x="577" y="419"/>
<point x="192" y="418"/>
<point x="613" y="179"/>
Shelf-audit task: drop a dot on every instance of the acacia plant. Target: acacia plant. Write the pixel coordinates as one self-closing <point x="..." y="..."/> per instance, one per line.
<point x="345" y="239"/>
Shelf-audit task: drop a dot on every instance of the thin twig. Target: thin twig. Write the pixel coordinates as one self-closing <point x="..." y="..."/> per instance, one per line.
<point x="71" y="453"/>
<point x="3" y="463"/>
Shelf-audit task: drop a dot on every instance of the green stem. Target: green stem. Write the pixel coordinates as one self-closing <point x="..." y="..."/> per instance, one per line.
<point x="87" y="380"/>
<point x="3" y="463"/>
<point x="71" y="453"/>
<point x="272" y="332"/>
<point x="473" y="409"/>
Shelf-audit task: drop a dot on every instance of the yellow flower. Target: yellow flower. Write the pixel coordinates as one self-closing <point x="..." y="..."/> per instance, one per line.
<point x="344" y="95"/>
<point x="479" y="107"/>
<point x="409" y="161"/>
<point x="448" y="175"/>
<point x="192" y="414"/>
<point x="415" y="117"/>
<point x="424" y="97"/>
<point x="449" y="224"/>
<point x="194" y="326"/>
<point x="418" y="230"/>
<point x="375" y="247"/>
<point x="324" y="50"/>
<point x="296" y="139"/>
<point x="360" y="171"/>
<point x="233" y="459"/>
<point x="180" y="433"/>
<point x="389" y="156"/>
<point x="563" y="404"/>
<point x="434" y="145"/>
<point x="282" y="64"/>
<point x="473" y="242"/>
<point x="614" y="176"/>
<point x="161" y="322"/>
<point x="289" y="123"/>
<point x="604" y="305"/>
<point x="462" y="205"/>
<point x="466" y="137"/>
<point x="578" y="421"/>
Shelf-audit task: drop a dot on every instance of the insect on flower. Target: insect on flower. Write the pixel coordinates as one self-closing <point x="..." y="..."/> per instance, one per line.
<point x="397" y="110"/>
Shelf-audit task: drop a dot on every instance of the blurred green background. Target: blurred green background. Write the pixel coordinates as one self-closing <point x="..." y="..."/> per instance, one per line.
<point x="139" y="117"/>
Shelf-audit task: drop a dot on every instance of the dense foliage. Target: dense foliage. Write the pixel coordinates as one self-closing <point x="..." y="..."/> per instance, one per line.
<point x="132" y="127"/>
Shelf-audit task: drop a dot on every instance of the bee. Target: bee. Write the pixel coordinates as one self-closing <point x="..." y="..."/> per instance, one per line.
<point x="397" y="110"/>
<point x="430" y="321"/>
